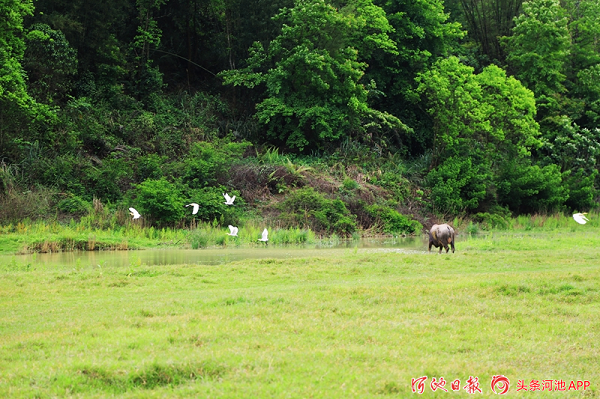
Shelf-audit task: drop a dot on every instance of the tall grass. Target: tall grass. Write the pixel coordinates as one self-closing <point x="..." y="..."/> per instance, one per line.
<point x="207" y="235"/>
<point x="539" y="222"/>
<point x="44" y="236"/>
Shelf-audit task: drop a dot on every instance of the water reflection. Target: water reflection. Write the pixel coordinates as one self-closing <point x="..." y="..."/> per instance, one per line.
<point x="211" y="256"/>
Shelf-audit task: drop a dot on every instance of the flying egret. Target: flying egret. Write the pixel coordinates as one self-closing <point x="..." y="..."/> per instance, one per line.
<point x="579" y="218"/>
<point x="134" y="213"/>
<point x="195" y="207"/>
<point x="232" y="231"/>
<point x="264" y="238"/>
<point x="228" y="200"/>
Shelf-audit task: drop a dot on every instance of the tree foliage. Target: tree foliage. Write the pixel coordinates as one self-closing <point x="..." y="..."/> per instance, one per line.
<point x="539" y="46"/>
<point x="482" y="122"/>
<point x="488" y="20"/>
<point x="19" y="111"/>
<point x="460" y="105"/>
<point x="312" y="73"/>
<point x="50" y="63"/>
<point x="161" y="199"/>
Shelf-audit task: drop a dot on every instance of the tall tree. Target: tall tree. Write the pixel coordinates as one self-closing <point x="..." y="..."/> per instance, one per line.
<point x="487" y="21"/>
<point x="484" y="127"/>
<point x="422" y="33"/>
<point x="539" y="47"/>
<point x="583" y="66"/>
<point x="552" y="51"/>
<point x="101" y="32"/>
<point x="146" y="78"/>
<point x="50" y="62"/>
<point x="17" y="108"/>
<point x="312" y="74"/>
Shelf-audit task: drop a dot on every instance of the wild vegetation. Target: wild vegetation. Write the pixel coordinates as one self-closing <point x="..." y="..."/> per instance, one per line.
<point x="339" y="117"/>
<point x="358" y="325"/>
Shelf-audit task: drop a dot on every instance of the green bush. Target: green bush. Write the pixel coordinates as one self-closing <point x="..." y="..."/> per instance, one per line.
<point x="74" y="205"/>
<point x="393" y="221"/>
<point x="350" y="184"/>
<point x="65" y="172"/>
<point x="198" y="239"/>
<point x="159" y="200"/>
<point x="491" y="220"/>
<point x="209" y="163"/>
<point x="79" y="175"/>
<point x="472" y="228"/>
<point x="106" y="180"/>
<point x="394" y="182"/>
<point x="580" y="186"/>
<point x="530" y="189"/>
<point x="345" y="225"/>
<point x="458" y="184"/>
<point x="150" y="166"/>
<point x="50" y="62"/>
<point x="212" y="206"/>
<point x="309" y="208"/>
<point x="291" y="236"/>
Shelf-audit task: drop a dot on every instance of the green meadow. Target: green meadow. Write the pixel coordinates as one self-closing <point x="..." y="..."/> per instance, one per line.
<point x="525" y="305"/>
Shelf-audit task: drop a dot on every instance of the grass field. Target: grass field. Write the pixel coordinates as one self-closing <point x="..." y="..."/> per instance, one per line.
<point x="522" y="305"/>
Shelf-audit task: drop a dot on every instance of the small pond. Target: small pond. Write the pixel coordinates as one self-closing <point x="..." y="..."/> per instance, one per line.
<point x="210" y="256"/>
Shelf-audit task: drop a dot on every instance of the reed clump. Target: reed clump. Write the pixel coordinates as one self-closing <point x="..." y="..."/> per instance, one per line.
<point x="208" y="235"/>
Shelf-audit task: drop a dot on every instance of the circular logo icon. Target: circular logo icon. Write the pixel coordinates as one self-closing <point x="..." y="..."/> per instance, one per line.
<point x="500" y="382"/>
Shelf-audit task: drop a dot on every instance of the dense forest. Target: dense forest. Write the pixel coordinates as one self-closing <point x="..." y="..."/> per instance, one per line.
<point x="336" y="115"/>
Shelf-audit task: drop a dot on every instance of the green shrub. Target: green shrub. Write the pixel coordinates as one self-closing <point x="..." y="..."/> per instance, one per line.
<point x="345" y="225"/>
<point x="531" y="189"/>
<point x="496" y="218"/>
<point x="105" y="181"/>
<point x="394" y="182"/>
<point x="50" y="62"/>
<point x="350" y="184"/>
<point x="393" y="221"/>
<point x="580" y="186"/>
<point x="458" y="184"/>
<point x="74" y="205"/>
<point x="78" y="175"/>
<point x="198" y="239"/>
<point x="291" y="236"/>
<point x="209" y="163"/>
<point x="212" y="205"/>
<point x="150" y="166"/>
<point x="65" y="172"/>
<point x="310" y="208"/>
<point x="472" y="228"/>
<point x="159" y="200"/>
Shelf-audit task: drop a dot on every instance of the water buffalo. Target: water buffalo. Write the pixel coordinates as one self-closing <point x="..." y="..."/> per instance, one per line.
<point x="440" y="235"/>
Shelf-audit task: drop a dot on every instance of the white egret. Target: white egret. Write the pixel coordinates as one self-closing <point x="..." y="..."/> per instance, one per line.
<point x="579" y="218"/>
<point x="134" y="213"/>
<point x="228" y="200"/>
<point x="232" y="231"/>
<point x="195" y="207"/>
<point x="264" y="238"/>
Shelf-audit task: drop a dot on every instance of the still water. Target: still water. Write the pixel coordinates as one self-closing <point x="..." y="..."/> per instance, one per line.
<point x="211" y="256"/>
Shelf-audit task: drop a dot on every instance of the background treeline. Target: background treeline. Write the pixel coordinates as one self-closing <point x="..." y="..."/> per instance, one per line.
<point x="335" y="115"/>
